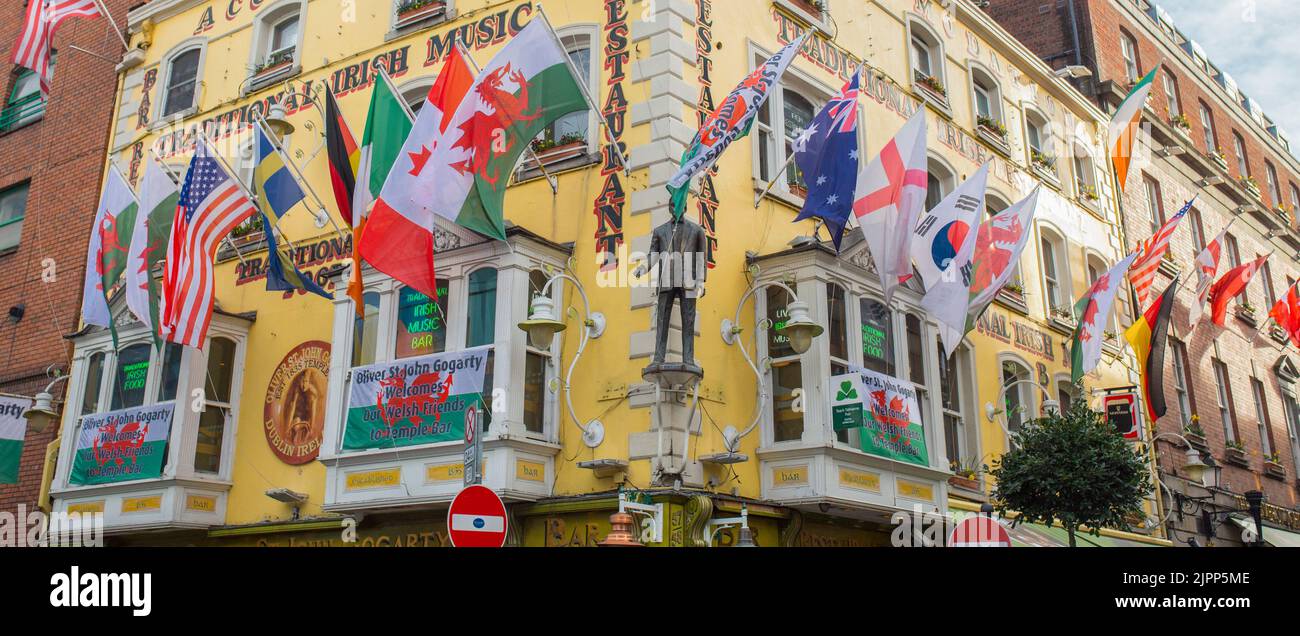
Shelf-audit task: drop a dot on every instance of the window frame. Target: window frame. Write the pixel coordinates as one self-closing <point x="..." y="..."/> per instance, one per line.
<point x="1184" y="390"/>
<point x="1266" y="443"/>
<point x="993" y="93"/>
<point x="569" y="37"/>
<point x="399" y="28"/>
<point x="1050" y="237"/>
<point x="1243" y="161"/>
<point x="769" y="142"/>
<point x="1173" y="103"/>
<point x="266" y="22"/>
<point x="1209" y="134"/>
<point x="18" y="221"/>
<point x="1227" y="410"/>
<point x="161" y="117"/>
<point x="1128" y="47"/>
<point x="918" y="31"/>
<point x="1155" y="202"/>
<point x="15" y="103"/>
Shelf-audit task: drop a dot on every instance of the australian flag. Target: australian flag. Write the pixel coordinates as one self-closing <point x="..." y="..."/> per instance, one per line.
<point x="827" y="155"/>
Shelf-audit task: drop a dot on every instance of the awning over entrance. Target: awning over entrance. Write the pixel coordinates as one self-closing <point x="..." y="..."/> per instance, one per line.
<point x="1272" y="536"/>
<point x="1033" y="535"/>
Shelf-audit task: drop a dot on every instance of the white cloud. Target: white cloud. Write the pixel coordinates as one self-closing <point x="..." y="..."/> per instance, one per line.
<point x="1254" y="41"/>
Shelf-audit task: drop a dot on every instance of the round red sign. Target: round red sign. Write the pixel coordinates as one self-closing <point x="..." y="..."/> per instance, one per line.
<point x="477" y="519"/>
<point x="979" y="532"/>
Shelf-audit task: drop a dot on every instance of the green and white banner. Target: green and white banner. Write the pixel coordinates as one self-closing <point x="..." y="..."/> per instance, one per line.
<point x="415" y="401"/>
<point x="123" y="445"/>
<point x="885" y="411"/>
<point x="13" y="427"/>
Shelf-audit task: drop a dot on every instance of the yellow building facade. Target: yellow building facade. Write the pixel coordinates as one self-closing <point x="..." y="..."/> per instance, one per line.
<point x="254" y="453"/>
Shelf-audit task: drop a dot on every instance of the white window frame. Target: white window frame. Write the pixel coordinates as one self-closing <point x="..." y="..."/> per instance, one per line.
<point x="945" y="175"/>
<point x="1182" y="383"/>
<point x="165" y="68"/>
<point x="574" y="37"/>
<point x="920" y="34"/>
<point x="1274" y="188"/>
<point x="398" y="28"/>
<point x="967" y="441"/>
<point x="264" y="25"/>
<point x="1046" y="145"/>
<point x="982" y="79"/>
<point x="1207" y="129"/>
<point x="1261" y="417"/>
<point x="1028" y="398"/>
<point x="1085" y="172"/>
<point x="768" y="137"/>
<point x="1060" y="261"/>
<point x="1128" y="50"/>
<point x="1175" y="106"/>
<point x="1222" y="385"/>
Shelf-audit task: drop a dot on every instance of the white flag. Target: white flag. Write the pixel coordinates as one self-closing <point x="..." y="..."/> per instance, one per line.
<point x="889" y="199"/>
<point x="116" y="199"/>
<point x="944" y="231"/>
<point x="982" y="268"/>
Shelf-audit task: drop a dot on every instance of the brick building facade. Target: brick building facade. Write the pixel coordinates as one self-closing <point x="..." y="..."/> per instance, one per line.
<point x="51" y="159"/>
<point x="1201" y="136"/>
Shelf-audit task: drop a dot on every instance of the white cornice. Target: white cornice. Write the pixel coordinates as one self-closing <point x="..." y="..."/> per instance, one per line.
<point x="158" y="10"/>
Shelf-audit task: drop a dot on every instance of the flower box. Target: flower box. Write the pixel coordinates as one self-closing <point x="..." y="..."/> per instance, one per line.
<point x="932" y="90"/>
<point x="1252" y="188"/>
<point x="1197" y="441"/>
<point x="1274" y="470"/>
<point x="1219" y="160"/>
<point x="416" y="10"/>
<point x="965" y="483"/>
<point x="1246" y="314"/>
<point x="1235" y="456"/>
<point x="813" y="8"/>
<point x="1278" y="334"/>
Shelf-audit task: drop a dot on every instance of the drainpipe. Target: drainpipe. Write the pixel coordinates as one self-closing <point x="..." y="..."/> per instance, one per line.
<point x="1074" y="33"/>
<point x="47" y="471"/>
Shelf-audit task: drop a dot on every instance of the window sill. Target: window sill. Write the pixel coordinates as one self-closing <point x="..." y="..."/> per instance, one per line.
<point x="21" y="125"/>
<point x="1275" y="471"/>
<point x="807" y="14"/>
<point x="1168" y="267"/>
<point x="1013" y="301"/>
<point x="1046" y="174"/>
<point x="418" y="21"/>
<point x="9" y="250"/>
<point x="1235" y="457"/>
<point x="555" y="163"/>
<point x="1246" y="317"/>
<point x="929" y="95"/>
<point x="271" y="77"/>
<point x="1278" y="334"/>
<point x="165" y="121"/>
<point x="1061" y="325"/>
<point x="779" y="194"/>
<point x="995" y="141"/>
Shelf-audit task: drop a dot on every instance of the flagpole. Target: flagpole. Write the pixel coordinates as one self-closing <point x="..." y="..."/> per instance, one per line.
<point x="770" y="184"/>
<point x="582" y="85"/>
<point x="279" y="148"/>
<point x="554" y="183"/>
<point x="177" y="179"/>
<point x="233" y="177"/>
<point x="405" y="107"/>
<point x="116" y="30"/>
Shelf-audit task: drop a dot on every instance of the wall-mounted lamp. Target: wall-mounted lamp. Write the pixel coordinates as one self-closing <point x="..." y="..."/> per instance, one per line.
<point x="277" y="120"/>
<point x="745" y="536"/>
<point x="543" y="324"/>
<point x="799" y="328"/>
<point x="43" y="411"/>
<point x="624" y="530"/>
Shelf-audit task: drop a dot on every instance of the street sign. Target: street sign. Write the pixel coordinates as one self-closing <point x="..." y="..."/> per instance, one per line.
<point x="477" y="519"/>
<point x="1121" y="412"/>
<point x="473" y="462"/>
<point x="979" y="532"/>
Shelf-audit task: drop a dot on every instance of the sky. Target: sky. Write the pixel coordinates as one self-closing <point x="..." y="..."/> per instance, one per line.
<point x="1255" y="41"/>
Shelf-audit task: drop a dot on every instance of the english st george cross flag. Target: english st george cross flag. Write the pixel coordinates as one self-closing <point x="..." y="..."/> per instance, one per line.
<point x="1207" y="265"/>
<point x="826" y="153"/>
<point x="106" y="256"/>
<point x="1093" y="313"/>
<point x="1230" y="286"/>
<point x="398" y="237"/>
<point x="1123" y="127"/>
<point x="890" y="198"/>
<point x="212" y="203"/>
<point x="153" y="224"/>
<point x="943" y="232"/>
<point x="1151" y="252"/>
<point x="979" y="271"/>
<point x="732" y="121"/>
<point x="43" y="19"/>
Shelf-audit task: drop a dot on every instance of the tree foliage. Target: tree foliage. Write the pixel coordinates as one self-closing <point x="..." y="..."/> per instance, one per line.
<point x="1072" y="468"/>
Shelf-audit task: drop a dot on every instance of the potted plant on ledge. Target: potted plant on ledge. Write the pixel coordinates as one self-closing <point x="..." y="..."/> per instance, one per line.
<point x="933" y="88"/>
<point x="814" y="8"/>
<point x="248" y="232"/>
<point x="1246" y="313"/>
<point x="1087" y="194"/>
<point x="549" y="149"/>
<point x="1220" y="159"/>
<point x="966" y="475"/>
<point x="992" y="127"/>
<point x="414" y="10"/>
<point x="1195" y="434"/>
<point x="1251" y="185"/>
<point x="1273" y="466"/>
<point x="274" y="63"/>
<point x="1234" y="452"/>
<point x="1042" y="162"/>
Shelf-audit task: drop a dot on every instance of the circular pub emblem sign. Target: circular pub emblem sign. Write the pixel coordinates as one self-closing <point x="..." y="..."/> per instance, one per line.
<point x="294" y="414"/>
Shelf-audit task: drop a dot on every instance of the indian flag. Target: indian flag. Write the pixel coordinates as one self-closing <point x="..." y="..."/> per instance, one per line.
<point x="1123" y="128"/>
<point x="13" y="427"/>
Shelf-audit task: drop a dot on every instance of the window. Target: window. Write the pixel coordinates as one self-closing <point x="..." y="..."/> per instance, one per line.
<point x="1155" y="204"/>
<point x="1128" y="49"/>
<point x="838" y="336"/>
<point x="421" y="322"/>
<point x="1270" y="296"/>
<point x="1198" y="232"/>
<point x="1295" y="198"/>
<point x="1039" y="142"/>
<point x="536" y="369"/>
<point x="1243" y="166"/>
<point x="916" y="353"/>
<point x="277" y="38"/>
<point x="1207" y="130"/>
<point x="1019" y="404"/>
<point x="567" y="137"/>
<point x="129" y="379"/>
<point x="940" y="182"/>
<point x="952" y="398"/>
<point x="365" y="331"/>
<point x="987" y="96"/>
<point x="1085" y="179"/>
<point x="1182" y="381"/>
<point x="408" y="13"/>
<point x="1056" y="278"/>
<point x="781" y="121"/>
<point x="1274" y="189"/>
<point x="13" y="208"/>
<point x="1171" y="93"/>
<point x="216" y="406"/>
<point x="171" y="371"/>
<point x="94" y="383"/>
<point x="25" y="104"/>
<point x="927" y="60"/>
<point x="182" y="81"/>
<point x="284" y="39"/>
<point x="1234" y="254"/>
<point x="787" y="372"/>
<point x="1226" y="410"/>
<point x="877" y="323"/>
<point x="481" y="325"/>
<point x="1261" y="418"/>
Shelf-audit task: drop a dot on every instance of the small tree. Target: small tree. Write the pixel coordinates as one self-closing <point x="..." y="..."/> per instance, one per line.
<point x="1072" y="468"/>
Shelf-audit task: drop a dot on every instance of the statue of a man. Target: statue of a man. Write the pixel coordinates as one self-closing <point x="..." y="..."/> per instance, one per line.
<point x="678" y="268"/>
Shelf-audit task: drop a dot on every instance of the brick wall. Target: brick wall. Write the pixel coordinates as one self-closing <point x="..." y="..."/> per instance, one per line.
<point x="62" y="157"/>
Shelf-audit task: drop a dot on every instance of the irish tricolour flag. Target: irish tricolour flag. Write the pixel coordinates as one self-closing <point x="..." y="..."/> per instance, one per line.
<point x="13" y="427"/>
<point x="1123" y="128"/>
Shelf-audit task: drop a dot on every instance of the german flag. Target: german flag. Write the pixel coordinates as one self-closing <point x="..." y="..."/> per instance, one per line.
<point x="1149" y="337"/>
<point x="344" y="156"/>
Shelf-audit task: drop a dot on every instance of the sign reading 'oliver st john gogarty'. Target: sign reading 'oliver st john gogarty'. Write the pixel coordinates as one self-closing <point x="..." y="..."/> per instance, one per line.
<point x="293" y="415"/>
<point x="122" y="445"/>
<point x="414" y="401"/>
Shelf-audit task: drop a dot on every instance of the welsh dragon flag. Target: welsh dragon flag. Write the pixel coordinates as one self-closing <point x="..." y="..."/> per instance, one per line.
<point x="153" y="228"/>
<point x="106" y="256"/>
<point x="1093" y="312"/>
<point x="462" y="172"/>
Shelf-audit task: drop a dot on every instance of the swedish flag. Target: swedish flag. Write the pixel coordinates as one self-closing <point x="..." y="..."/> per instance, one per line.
<point x="276" y="187"/>
<point x="281" y="273"/>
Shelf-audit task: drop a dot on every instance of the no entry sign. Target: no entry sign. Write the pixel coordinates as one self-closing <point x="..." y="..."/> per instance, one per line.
<point x="477" y="519"/>
<point x="979" y="532"/>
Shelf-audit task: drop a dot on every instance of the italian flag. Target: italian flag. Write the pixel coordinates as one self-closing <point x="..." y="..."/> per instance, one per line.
<point x="387" y="126"/>
<point x="1123" y="127"/>
<point x="106" y="256"/>
<point x="158" y="199"/>
<point x="12" y="429"/>
<point x="1093" y="314"/>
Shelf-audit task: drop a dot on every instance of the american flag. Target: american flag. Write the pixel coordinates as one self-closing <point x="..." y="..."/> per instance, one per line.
<point x="1150" y="253"/>
<point x="43" y="19"/>
<point x="212" y="203"/>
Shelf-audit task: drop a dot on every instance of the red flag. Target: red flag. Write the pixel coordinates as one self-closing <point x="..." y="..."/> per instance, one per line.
<point x="43" y="19"/>
<point x="1287" y="314"/>
<point x="1231" y="286"/>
